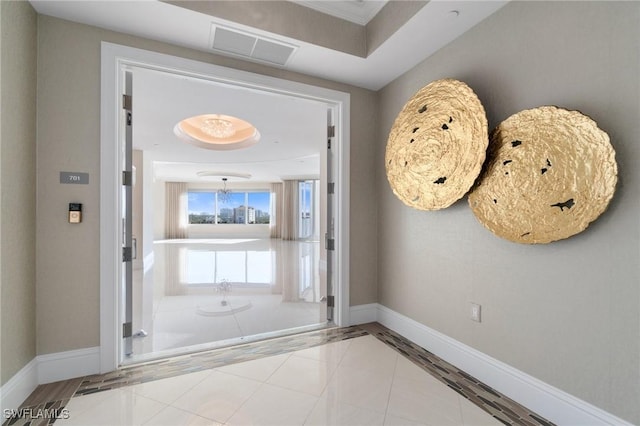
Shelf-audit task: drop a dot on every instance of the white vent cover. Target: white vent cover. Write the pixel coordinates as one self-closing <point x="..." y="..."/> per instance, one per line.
<point x="251" y="46"/>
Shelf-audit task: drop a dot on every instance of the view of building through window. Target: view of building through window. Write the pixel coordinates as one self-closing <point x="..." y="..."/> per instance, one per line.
<point x="245" y="208"/>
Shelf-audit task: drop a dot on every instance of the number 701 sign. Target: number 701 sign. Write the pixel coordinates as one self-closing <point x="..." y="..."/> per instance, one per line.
<point x="74" y="178"/>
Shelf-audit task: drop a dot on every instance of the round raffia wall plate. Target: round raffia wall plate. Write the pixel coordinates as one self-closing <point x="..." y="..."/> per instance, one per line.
<point x="437" y="145"/>
<point x="549" y="173"/>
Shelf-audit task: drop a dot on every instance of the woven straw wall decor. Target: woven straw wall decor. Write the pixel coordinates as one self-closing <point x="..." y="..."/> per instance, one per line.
<point x="437" y="145"/>
<point x="549" y="173"/>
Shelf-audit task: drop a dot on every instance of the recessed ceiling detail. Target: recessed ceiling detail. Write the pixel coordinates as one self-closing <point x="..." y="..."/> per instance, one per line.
<point x="231" y="176"/>
<point x="359" y="12"/>
<point x="217" y="131"/>
<point x="250" y="46"/>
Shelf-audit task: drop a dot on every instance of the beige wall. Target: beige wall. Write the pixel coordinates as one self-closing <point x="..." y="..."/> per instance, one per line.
<point x="17" y="185"/>
<point x="69" y="140"/>
<point x="567" y="313"/>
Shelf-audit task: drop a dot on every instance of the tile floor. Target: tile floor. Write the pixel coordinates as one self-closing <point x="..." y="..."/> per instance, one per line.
<point x="200" y="291"/>
<point x="363" y="375"/>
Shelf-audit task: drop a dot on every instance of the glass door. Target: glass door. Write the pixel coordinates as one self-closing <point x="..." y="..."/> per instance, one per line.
<point x="308" y="210"/>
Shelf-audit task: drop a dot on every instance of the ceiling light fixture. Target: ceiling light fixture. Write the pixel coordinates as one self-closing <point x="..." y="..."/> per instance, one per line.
<point x="218" y="128"/>
<point x="224" y="194"/>
<point x="217" y="132"/>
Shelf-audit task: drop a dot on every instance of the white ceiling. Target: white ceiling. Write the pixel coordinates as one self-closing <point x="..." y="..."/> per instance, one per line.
<point x="358" y="11"/>
<point x="293" y="130"/>
<point x="428" y="30"/>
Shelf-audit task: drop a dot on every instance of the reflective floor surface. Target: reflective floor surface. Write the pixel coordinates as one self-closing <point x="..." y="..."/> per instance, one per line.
<point x="208" y="291"/>
<point x="360" y="375"/>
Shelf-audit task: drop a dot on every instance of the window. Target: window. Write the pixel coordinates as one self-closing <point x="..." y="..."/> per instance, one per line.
<point x="232" y="210"/>
<point x="202" y="207"/>
<point x="259" y="207"/>
<point x="244" y="208"/>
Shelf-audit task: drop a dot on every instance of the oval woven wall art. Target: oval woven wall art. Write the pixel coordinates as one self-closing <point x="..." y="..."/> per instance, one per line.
<point x="549" y="173"/>
<point x="437" y="145"/>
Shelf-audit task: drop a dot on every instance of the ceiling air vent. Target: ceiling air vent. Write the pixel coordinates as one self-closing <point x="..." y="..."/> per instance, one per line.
<point x="250" y="46"/>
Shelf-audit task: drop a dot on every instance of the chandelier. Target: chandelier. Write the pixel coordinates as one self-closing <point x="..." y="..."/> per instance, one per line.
<point x="218" y="128"/>
<point x="217" y="131"/>
<point x="224" y="194"/>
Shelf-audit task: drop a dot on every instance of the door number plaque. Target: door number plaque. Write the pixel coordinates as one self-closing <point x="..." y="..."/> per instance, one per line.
<point x="77" y="178"/>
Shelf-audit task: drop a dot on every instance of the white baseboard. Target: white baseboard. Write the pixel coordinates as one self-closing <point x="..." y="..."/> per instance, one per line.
<point x="540" y="397"/>
<point x="20" y="386"/>
<point x="362" y="314"/>
<point x="68" y="365"/>
<point x="47" y="369"/>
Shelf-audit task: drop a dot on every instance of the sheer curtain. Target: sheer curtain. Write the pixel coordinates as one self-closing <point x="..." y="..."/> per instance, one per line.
<point x="175" y="210"/>
<point x="290" y="210"/>
<point x="175" y="265"/>
<point x="275" y="226"/>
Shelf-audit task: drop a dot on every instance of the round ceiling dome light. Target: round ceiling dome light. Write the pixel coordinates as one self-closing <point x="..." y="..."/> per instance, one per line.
<point x="217" y="132"/>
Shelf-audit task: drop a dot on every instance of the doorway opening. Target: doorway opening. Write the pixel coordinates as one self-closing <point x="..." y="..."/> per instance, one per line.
<point x="237" y="263"/>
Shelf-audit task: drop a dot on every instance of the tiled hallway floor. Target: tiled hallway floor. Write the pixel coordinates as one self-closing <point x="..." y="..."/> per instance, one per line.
<point x="363" y="375"/>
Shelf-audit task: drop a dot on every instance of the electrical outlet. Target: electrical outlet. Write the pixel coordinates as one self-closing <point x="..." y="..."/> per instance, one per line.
<point x="475" y="312"/>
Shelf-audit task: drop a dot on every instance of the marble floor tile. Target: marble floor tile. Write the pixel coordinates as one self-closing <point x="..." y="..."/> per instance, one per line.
<point x="257" y="369"/>
<point x="218" y="396"/>
<point x="171" y="416"/>
<point x="120" y="407"/>
<point x="276" y="406"/>
<point x="330" y="411"/>
<point x="303" y="375"/>
<point x="344" y="376"/>
<point x="366" y="389"/>
<point x="169" y="390"/>
<point x="331" y="353"/>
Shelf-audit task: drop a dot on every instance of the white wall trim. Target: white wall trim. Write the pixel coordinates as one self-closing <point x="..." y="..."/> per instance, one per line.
<point x="47" y="369"/>
<point x="549" y="401"/>
<point x="68" y="365"/>
<point x="20" y="386"/>
<point x="362" y="314"/>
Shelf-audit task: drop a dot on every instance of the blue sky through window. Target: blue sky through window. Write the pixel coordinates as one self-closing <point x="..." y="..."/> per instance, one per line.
<point x="204" y="202"/>
<point x="201" y="202"/>
<point x="260" y="201"/>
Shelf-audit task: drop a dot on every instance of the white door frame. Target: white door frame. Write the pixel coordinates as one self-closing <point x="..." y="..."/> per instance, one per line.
<point x="116" y="58"/>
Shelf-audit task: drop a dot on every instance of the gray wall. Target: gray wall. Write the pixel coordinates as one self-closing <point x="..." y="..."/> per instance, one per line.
<point x="69" y="140"/>
<point x="17" y="185"/>
<point x="568" y="312"/>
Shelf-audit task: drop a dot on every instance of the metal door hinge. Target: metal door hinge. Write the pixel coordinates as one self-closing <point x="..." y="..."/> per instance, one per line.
<point x="331" y="131"/>
<point x="127" y="178"/>
<point x="331" y="188"/>
<point x="127" y="102"/>
<point x="127" y="254"/>
<point x="127" y="330"/>
<point x="331" y="301"/>
<point x="330" y="244"/>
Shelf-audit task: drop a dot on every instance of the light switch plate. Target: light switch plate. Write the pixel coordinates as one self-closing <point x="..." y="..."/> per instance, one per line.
<point x="476" y="312"/>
